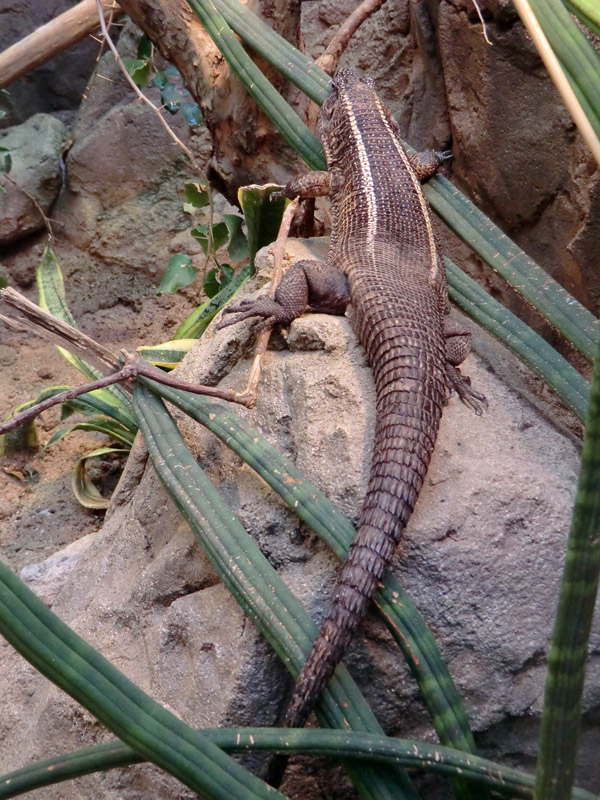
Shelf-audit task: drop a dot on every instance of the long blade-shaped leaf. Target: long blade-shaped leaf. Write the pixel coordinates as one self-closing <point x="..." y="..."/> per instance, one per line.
<point x="255" y="584"/>
<point x="289" y="124"/>
<point x="152" y="731"/>
<point x="421" y="756"/>
<point x="534" y="351"/>
<point x="568" y="653"/>
<point x="314" y="508"/>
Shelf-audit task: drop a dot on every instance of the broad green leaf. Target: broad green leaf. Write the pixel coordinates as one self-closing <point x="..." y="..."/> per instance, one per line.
<point x="262" y="215"/>
<point x="219" y="236"/>
<point x="140" y="70"/>
<point x="196" y="196"/>
<point x="168" y="354"/>
<point x="144" y="48"/>
<point x="160" y="79"/>
<point x="100" y="401"/>
<point x="25" y="437"/>
<point x="211" y="283"/>
<point x="238" y="244"/>
<point x="180" y="272"/>
<point x="83" y="488"/>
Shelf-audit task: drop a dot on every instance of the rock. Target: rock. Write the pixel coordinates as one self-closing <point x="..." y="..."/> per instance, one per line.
<point x="482" y="558"/>
<point x="35" y="150"/>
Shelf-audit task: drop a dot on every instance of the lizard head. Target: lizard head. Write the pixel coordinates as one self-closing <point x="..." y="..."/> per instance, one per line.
<point x="348" y="90"/>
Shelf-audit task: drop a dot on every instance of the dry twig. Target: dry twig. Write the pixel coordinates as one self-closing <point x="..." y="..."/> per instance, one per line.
<point x="328" y="61"/>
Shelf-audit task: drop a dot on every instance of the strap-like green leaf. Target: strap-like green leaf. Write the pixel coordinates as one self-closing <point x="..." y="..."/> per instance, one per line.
<point x="421" y="756"/>
<point x="153" y="732"/>
<point x="569" y="651"/>
<point x="534" y="351"/>
<point x="255" y="584"/>
<point x="315" y="509"/>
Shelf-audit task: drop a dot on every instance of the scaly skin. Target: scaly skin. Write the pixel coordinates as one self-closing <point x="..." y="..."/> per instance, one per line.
<point x="384" y="244"/>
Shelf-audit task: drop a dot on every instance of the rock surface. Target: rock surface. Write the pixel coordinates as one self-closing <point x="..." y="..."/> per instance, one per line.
<point x="481" y="557"/>
<point x="35" y="175"/>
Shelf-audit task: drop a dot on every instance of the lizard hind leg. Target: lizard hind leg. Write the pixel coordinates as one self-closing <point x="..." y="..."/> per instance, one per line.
<point x="458" y="347"/>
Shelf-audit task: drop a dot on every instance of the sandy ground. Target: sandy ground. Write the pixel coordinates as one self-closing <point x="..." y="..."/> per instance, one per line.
<point x="39" y="513"/>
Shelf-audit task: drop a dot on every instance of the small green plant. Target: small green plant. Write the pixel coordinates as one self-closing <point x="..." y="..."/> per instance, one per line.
<point x="168" y="80"/>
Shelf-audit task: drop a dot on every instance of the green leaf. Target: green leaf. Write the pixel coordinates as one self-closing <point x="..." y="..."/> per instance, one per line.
<point x="262" y="215"/>
<point x="420" y="756"/>
<point x="180" y="272"/>
<point x="3" y="278"/>
<point x="83" y="487"/>
<point x="52" y="298"/>
<point x="97" y="424"/>
<point x="219" y="236"/>
<point x="238" y="244"/>
<point x="168" y="354"/>
<point x="139" y="69"/>
<point x="145" y="725"/>
<point x="171" y="98"/>
<point x="192" y="113"/>
<point x="211" y="283"/>
<point x="196" y="194"/>
<point x="568" y="655"/>
<point x="144" y="48"/>
<point x="198" y="321"/>
<point x="100" y="401"/>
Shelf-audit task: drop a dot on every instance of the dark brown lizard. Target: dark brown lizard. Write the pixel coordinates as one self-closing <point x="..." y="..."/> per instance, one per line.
<point x="385" y="262"/>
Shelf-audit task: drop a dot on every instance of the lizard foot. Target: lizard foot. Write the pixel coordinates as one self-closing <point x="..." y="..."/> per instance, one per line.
<point x="461" y="384"/>
<point x="271" y="312"/>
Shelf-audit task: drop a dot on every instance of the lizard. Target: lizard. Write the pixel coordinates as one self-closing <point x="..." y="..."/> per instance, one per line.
<point x="384" y="262"/>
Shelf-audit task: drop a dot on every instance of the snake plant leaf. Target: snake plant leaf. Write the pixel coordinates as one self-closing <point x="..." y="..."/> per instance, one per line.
<point x="97" y="424"/>
<point x="25" y="437"/>
<point x="180" y="272"/>
<point x="262" y="214"/>
<point x="575" y="52"/>
<point x="586" y="11"/>
<point x="398" y="612"/>
<point x="529" y="346"/>
<point x="168" y="354"/>
<point x="255" y="584"/>
<point x="194" y="325"/>
<point x="146" y="726"/>
<point x="100" y="401"/>
<point x="569" y="651"/>
<point x="81" y="483"/>
<point x="268" y="98"/>
<point x="52" y="298"/>
<point x="420" y="756"/>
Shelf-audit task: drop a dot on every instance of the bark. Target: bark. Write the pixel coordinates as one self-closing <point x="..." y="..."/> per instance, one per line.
<point x="246" y="146"/>
<point x="50" y="39"/>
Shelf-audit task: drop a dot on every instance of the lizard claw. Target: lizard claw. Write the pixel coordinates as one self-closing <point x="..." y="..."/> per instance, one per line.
<point x="269" y="310"/>
<point x="461" y="385"/>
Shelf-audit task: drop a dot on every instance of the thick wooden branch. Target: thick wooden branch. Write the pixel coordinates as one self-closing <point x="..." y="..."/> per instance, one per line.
<point x="52" y="38"/>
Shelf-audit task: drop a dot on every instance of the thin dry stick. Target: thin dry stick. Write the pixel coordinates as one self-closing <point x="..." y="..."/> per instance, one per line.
<point x="328" y="61"/>
<point x="140" y="94"/>
<point x="480" y="15"/>
<point x="250" y="393"/>
<point x="558" y="76"/>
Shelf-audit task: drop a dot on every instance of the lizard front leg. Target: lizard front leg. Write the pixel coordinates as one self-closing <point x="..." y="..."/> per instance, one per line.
<point x="312" y="285"/>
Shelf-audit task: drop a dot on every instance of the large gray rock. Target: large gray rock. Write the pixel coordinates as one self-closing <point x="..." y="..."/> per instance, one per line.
<point x="482" y="558"/>
<point x="35" y="177"/>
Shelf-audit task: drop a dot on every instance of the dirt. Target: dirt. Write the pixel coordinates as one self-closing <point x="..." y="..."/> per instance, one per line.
<point x="39" y="513"/>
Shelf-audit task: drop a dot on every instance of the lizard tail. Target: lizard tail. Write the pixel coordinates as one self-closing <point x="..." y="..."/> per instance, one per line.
<point x="410" y="382"/>
<point x="399" y="466"/>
